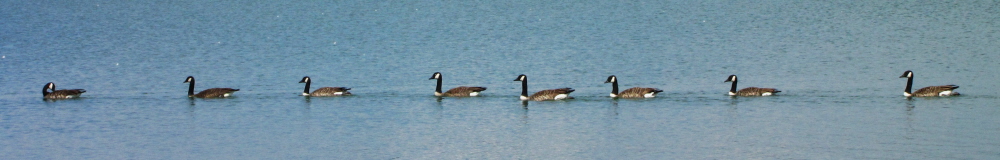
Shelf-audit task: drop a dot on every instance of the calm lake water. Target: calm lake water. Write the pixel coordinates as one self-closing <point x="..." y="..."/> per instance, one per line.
<point x="838" y="64"/>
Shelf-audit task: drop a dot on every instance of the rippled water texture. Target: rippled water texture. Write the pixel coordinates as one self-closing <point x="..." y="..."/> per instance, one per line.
<point x="837" y="64"/>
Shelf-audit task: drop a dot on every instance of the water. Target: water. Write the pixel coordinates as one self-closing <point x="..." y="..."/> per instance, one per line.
<point x="837" y="64"/>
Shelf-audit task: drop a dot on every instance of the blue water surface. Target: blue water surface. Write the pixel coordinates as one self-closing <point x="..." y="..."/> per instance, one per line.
<point x="837" y="64"/>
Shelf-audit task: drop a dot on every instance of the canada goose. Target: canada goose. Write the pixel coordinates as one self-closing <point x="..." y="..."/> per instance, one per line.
<point x="635" y="92"/>
<point x="945" y="90"/>
<point x="749" y="91"/>
<point x="60" y="94"/>
<point x="461" y="91"/>
<point x="552" y="94"/>
<point x="208" y="93"/>
<point x="324" y="91"/>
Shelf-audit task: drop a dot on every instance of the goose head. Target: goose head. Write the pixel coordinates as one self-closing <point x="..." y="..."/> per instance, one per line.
<point x="521" y="77"/>
<point x="437" y="75"/>
<point x="305" y="79"/>
<point x="732" y="78"/>
<point x="189" y="79"/>
<point x="611" y="79"/>
<point x="907" y="74"/>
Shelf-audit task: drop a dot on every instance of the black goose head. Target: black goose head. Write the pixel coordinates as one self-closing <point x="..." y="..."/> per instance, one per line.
<point x="907" y="74"/>
<point x="611" y="79"/>
<point x="50" y="86"/>
<point x="305" y="80"/>
<point x="437" y="75"/>
<point x="732" y="78"/>
<point x="189" y="79"/>
<point x="521" y="77"/>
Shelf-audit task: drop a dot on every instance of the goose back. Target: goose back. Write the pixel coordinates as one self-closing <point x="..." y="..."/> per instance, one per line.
<point x="463" y="91"/>
<point x="552" y="94"/>
<point x="331" y="91"/>
<point x="945" y="90"/>
<point x="216" y="93"/>
<point x="754" y="91"/>
<point x="639" y="92"/>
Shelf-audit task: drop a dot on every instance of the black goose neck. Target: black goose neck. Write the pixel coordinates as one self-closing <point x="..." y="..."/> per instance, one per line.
<point x="909" y="84"/>
<point x="191" y="88"/>
<point x="524" y="87"/>
<point x="733" y="89"/>
<point x="306" y="90"/>
<point x="45" y="92"/>
<point x="438" y="88"/>
<point x="614" y="87"/>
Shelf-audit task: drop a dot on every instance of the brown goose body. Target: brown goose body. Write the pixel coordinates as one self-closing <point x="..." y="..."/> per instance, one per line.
<point x="330" y="91"/>
<point x="323" y="91"/>
<point x="551" y="94"/>
<point x="60" y="94"/>
<point x="462" y="91"/>
<point x="634" y="92"/>
<point x="754" y="91"/>
<point x="208" y="93"/>
<point x="215" y="93"/>
<point x="945" y="90"/>
<point x="932" y="91"/>
<point x="639" y="92"/>
<point x="749" y="91"/>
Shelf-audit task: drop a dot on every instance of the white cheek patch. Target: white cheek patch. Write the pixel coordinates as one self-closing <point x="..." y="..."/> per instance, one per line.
<point x="560" y="96"/>
<point x="305" y="94"/>
<point x="907" y="94"/>
<point x="473" y="94"/>
<point x="732" y="94"/>
<point x="524" y="98"/>
<point x="439" y="94"/>
<point x="614" y="95"/>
